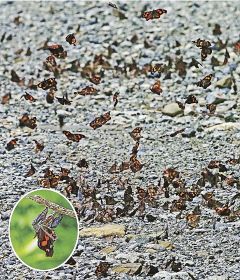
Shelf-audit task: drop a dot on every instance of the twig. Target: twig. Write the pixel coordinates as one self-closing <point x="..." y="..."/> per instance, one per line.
<point x="52" y="205"/>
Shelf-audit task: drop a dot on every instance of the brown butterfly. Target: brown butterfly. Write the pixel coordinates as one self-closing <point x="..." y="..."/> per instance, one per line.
<point x="136" y="133"/>
<point x="82" y="163"/>
<point x="96" y="79"/>
<point x="226" y="57"/>
<point x="135" y="164"/>
<point x="50" y="96"/>
<point x="30" y="172"/>
<point x="154" y="14"/>
<point x="195" y="63"/>
<point x="211" y="107"/>
<point x="204" y="46"/>
<point x="25" y="120"/>
<point x="39" y="147"/>
<point x="125" y="165"/>
<point x="217" y="30"/>
<point x="157" y="68"/>
<point x="64" y="175"/>
<point x="193" y="220"/>
<point x="237" y="47"/>
<point x="64" y="100"/>
<point x="113" y="5"/>
<point x="180" y="105"/>
<point x="73" y="137"/>
<point x="191" y="99"/>
<point x="178" y="205"/>
<point x="71" y="39"/>
<point x="115" y="99"/>
<point x="205" y="82"/>
<point x="102" y="269"/>
<point x="170" y="174"/>
<point x="87" y="91"/>
<point x="11" y="144"/>
<point x="99" y="121"/>
<point x="113" y="168"/>
<point x="50" y="182"/>
<point x="15" y="78"/>
<point x="51" y="60"/>
<point x="135" y="148"/>
<point x="6" y="98"/>
<point x="29" y="97"/>
<point x="57" y="50"/>
<point x="156" y="87"/>
<point x="50" y="83"/>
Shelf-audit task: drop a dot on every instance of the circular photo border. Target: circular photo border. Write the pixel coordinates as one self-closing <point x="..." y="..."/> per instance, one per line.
<point x="9" y="226"/>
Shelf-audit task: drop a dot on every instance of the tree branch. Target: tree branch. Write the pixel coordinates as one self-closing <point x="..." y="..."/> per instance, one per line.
<point x="52" y="205"/>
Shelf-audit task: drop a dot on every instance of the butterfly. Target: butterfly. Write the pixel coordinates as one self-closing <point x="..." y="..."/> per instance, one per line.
<point x="135" y="148"/>
<point x="87" y="91"/>
<point x="51" y="60"/>
<point x="125" y="165"/>
<point x="135" y="164"/>
<point x="96" y="79"/>
<point x="99" y="121"/>
<point x="44" y="230"/>
<point x="57" y="50"/>
<point x="102" y="269"/>
<point x="50" y="96"/>
<point x="30" y="172"/>
<point x="25" y="120"/>
<point x="157" y="68"/>
<point x="64" y="100"/>
<point x="211" y="107"/>
<point x="237" y="47"/>
<point x="170" y="174"/>
<point x="15" y="78"/>
<point x="29" y="97"/>
<point x="71" y="39"/>
<point x="39" y="147"/>
<point x="204" y="46"/>
<point x="195" y="63"/>
<point x="154" y="14"/>
<point x="136" y="133"/>
<point x="74" y="137"/>
<point x="11" y="144"/>
<point x="217" y="30"/>
<point x="180" y="105"/>
<point x="82" y="163"/>
<point x="6" y="98"/>
<point x="50" y="182"/>
<point x="156" y="87"/>
<point x="226" y="57"/>
<point x="115" y="99"/>
<point x="205" y="82"/>
<point x="191" y="99"/>
<point x="50" y="83"/>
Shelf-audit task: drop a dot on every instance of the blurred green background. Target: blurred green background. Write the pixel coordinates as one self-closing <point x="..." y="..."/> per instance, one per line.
<point x="22" y="232"/>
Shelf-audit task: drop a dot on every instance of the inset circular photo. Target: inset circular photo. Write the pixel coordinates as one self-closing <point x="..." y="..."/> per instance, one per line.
<point x="43" y="229"/>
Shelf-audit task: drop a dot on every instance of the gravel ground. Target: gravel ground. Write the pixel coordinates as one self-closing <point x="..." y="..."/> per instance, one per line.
<point x="151" y="239"/>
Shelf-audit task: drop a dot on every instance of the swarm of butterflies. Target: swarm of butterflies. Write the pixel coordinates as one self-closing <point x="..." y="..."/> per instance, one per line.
<point x="170" y="184"/>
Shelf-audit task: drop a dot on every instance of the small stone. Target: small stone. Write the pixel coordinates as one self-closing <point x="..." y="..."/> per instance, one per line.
<point x="225" y="82"/>
<point x="166" y="244"/>
<point x="172" y="110"/>
<point x="224" y="126"/>
<point x="108" y="250"/>
<point x="106" y="230"/>
<point x="129" y="268"/>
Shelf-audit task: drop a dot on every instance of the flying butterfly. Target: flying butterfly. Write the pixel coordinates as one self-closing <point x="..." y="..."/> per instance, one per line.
<point x="50" y="83"/>
<point x="71" y="39"/>
<point x="205" y="82"/>
<point x="100" y="121"/>
<point x="73" y="137"/>
<point x="154" y="14"/>
<point x="29" y="97"/>
<point x="25" y="120"/>
<point x="156" y="87"/>
<point x="136" y="133"/>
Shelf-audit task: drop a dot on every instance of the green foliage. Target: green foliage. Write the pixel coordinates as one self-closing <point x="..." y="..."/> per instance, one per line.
<point x="22" y="233"/>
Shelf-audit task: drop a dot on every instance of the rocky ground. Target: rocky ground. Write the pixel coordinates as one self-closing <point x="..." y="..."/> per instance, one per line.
<point x="156" y="242"/>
